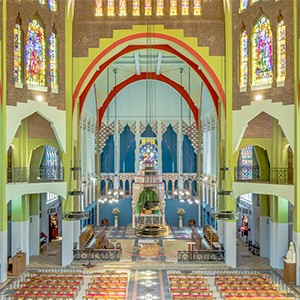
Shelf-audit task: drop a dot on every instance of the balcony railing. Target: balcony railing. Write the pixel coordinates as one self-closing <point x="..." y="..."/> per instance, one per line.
<point x="200" y="255"/>
<point x="31" y="175"/>
<point x="270" y="175"/>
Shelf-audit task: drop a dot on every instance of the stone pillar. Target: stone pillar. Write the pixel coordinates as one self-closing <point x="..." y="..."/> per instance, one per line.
<point x="34" y="226"/>
<point x="230" y="243"/>
<point x="20" y="226"/>
<point x="264" y="227"/>
<point x="67" y="242"/>
<point x="278" y="231"/>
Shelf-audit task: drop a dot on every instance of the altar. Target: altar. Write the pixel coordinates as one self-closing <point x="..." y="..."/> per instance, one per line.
<point x="148" y="203"/>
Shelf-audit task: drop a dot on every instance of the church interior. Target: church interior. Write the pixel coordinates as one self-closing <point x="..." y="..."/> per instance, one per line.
<point x="149" y="149"/>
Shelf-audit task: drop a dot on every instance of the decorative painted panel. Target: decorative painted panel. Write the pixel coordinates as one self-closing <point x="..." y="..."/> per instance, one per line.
<point x="281" y="49"/>
<point x="262" y="53"/>
<point x="159" y="7"/>
<point x="243" y="58"/>
<point x="18" y="50"/>
<point x="173" y="7"/>
<point x="136" y="7"/>
<point x="35" y="54"/>
<point x="53" y="59"/>
<point x="98" y="8"/>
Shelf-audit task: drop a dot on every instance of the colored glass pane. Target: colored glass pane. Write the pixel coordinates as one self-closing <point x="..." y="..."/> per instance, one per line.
<point x="35" y="54"/>
<point x="197" y="8"/>
<point x="262" y="53"/>
<point x="243" y="4"/>
<point x="253" y="1"/>
<point x="281" y="51"/>
<point x="17" y="53"/>
<point x="136" y="7"/>
<point x="110" y="7"/>
<point x="185" y="7"/>
<point x="148" y="7"/>
<point x="52" y="4"/>
<point x="243" y="59"/>
<point x="159" y="7"/>
<point x="122" y="8"/>
<point x="42" y="1"/>
<point x="246" y="161"/>
<point x="173" y="8"/>
<point x="53" y="60"/>
<point x="148" y="153"/>
<point x="98" y="8"/>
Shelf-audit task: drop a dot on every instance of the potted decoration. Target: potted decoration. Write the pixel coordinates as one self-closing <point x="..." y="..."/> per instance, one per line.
<point x="116" y="212"/>
<point x="180" y="212"/>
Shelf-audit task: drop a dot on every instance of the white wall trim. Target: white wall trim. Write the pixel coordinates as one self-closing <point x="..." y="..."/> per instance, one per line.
<point x="15" y="114"/>
<point x="285" y="191"/>
<point x="283" y="113"/>
<point x="15" y="190"/>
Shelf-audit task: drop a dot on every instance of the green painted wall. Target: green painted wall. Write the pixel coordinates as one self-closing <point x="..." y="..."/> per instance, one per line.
<point x="279" y="210"/>
<point x="20" y="209"/>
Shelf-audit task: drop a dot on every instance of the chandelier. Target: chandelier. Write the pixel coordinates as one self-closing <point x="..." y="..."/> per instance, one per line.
<point x="185" y="195"/>
<point x="111" y="196"/>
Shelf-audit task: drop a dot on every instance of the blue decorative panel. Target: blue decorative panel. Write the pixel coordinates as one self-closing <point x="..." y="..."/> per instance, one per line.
<point x="107" y="156"/>
<point x="169" y="151"/>
<point x="189" y="156"/>
<point x="127" y="151"/>
<point x="148" y="132"/>
<point x="125" y="216"/>
<point x="191" y="212"/>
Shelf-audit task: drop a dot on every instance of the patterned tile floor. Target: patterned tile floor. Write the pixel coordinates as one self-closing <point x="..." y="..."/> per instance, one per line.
<point x="148" y="275"/>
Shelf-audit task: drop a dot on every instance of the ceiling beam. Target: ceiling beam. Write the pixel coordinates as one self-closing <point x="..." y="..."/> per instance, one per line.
<point x="159" y="61"/>
<point x="137" y="63"/>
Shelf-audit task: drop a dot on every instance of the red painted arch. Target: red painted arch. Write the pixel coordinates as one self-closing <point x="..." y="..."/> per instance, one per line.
<point x="131" y="48"/>
<point x="144" y="76"/>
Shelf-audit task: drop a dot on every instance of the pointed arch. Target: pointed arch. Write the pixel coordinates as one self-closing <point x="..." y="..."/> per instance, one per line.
<point x="18" y="51"/>
<point x="262" y="52"/>
<point x="35" y="53"/>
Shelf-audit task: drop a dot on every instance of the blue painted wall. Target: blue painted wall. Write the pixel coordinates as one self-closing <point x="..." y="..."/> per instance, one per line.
<point x="107" y="156"/>
<point x="169" y="151"/>
<point x="127" y="151"/>
<point x="189" y="156"/>
<point x="125" y="216"/>
<point x="191" y="212"/>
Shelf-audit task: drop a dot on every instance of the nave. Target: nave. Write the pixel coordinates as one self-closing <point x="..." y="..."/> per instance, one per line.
<point x="149" y="275"/>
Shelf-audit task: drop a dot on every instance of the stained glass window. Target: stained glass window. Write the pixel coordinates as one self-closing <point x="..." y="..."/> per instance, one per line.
<point x="159" y="7"/>
<point x="243" y="58"/>
<point x="173" y="7"/>
<point x="42" y="1"/>
<point x="148" y="7"/>
<point x="52" y="4"/>
<point x="18" y="50"/>
<point x="243" y="4"/>
<point x="185" y="7"/>
<point x="136" y="7"/>
<point x="53" y="59"/>
<point x="253" y="1"/>
<point x="122" y="8"/>
<point x="281" y="49"/>
<point x="35" y="54"/>
<point x="148" y="152"/>
<point x="110" y="8"/>
<point x="98" y="8"/>
<point x="246" y="162"/>
<point x="262" y="52"/>
<point x="197" y="8"/>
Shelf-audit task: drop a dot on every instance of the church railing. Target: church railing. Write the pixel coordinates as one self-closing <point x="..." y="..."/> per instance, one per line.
<point x="200" y="255"/>
<point x="30" y="175"/>
<point x="270" y="175"/>
<point x="97" y="254"/>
